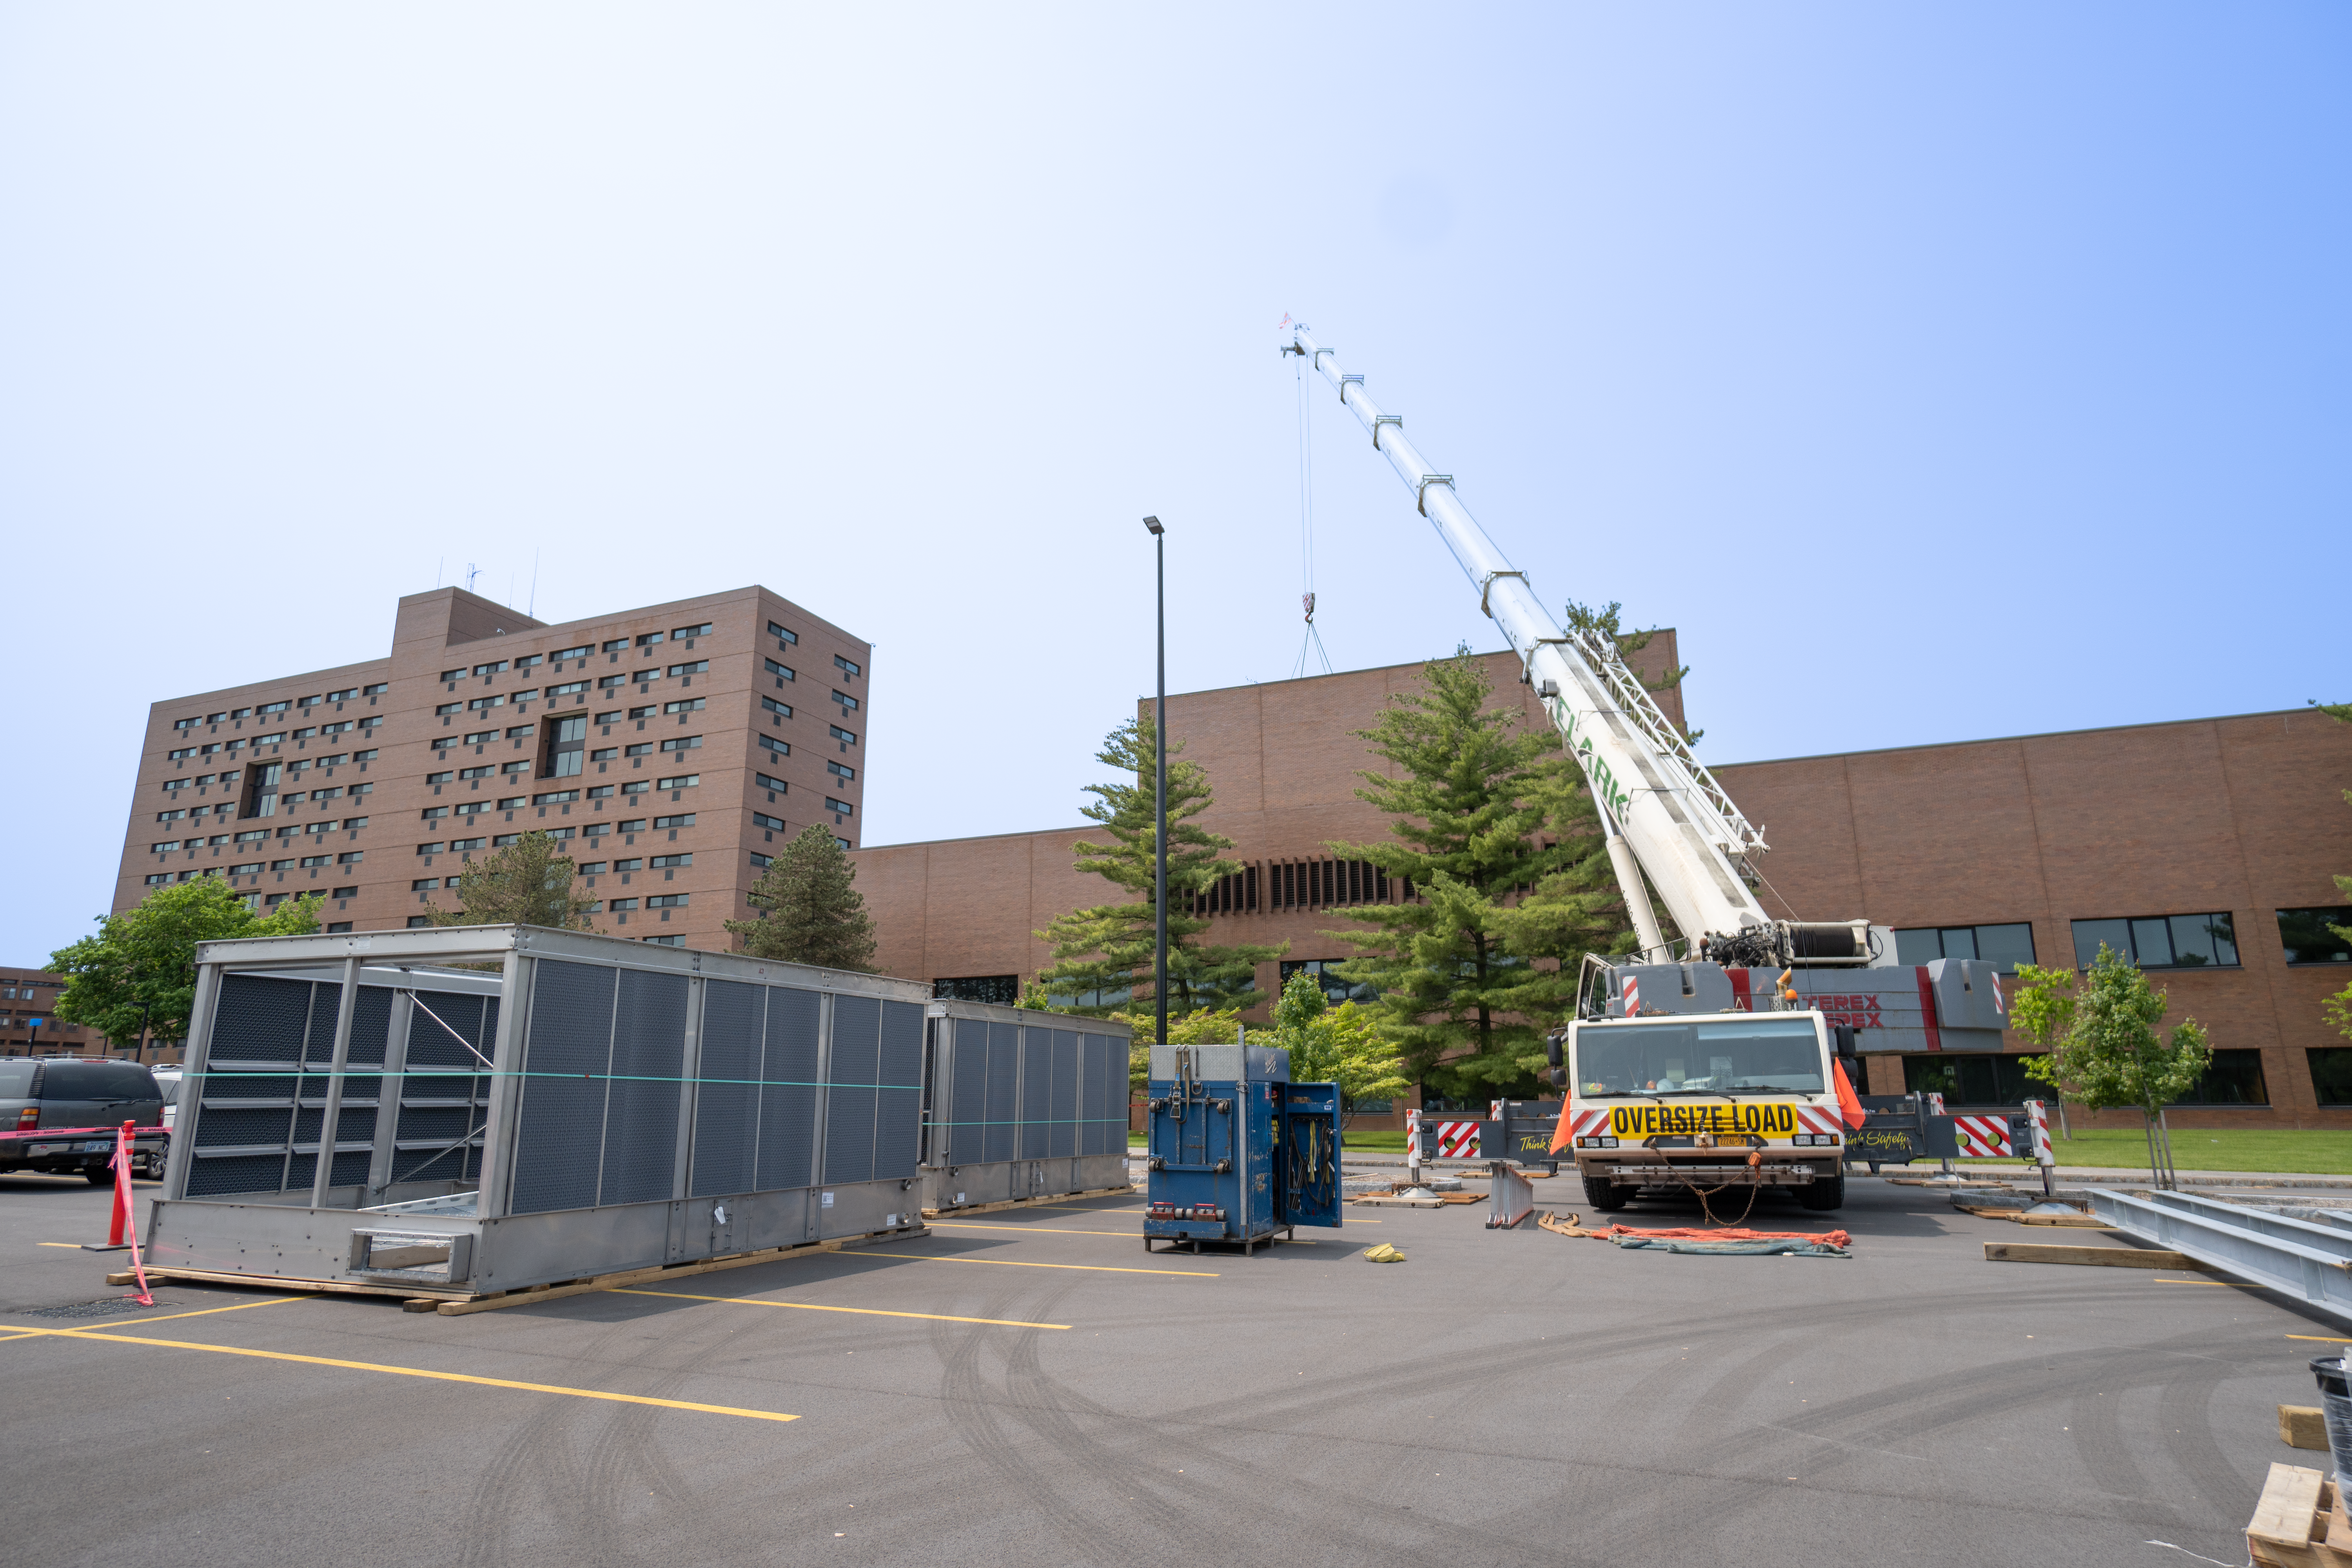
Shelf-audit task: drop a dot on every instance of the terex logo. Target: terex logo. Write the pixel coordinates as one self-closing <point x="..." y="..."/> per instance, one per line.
<point x="1852" y="1012"/>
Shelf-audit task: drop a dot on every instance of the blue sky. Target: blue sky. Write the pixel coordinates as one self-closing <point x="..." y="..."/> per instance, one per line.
<point x="1938" y="371"/>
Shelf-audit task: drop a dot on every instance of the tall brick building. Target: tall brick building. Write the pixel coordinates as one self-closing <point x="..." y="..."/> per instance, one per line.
<point x="2203" y="848"/>
<point x="671" y="748"/>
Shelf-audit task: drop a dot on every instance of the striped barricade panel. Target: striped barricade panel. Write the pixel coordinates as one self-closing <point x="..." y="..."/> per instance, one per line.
<point x="1457" y="1140"/>
<point x="1819" y="1118"/>
<point x="1982" y="1137"/>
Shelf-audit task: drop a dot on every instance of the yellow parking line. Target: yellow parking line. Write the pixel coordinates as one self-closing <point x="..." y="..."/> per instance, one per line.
<point x="200" y="1312"/>
<point x="1054" y="1230"/>
<point x="2220" y="1284"/>
<point x="1081" y="1268"/>
<point x="75" y="1245"/>
<point x="864" y="1312"/>
<point x="21" y="1335"/>
<point x="419" y="1372"/>
<point x="2323" y="1339"/>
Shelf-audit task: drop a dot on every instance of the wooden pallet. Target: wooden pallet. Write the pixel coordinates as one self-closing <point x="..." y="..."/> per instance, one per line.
<point x="2065" y="1221"/>
<point x="458" y="1303"/>
<point x="1119" y="1192"/>
<point x="2298" y="1524"/>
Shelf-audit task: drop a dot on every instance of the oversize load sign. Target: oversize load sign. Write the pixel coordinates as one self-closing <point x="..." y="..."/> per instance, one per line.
<point x="1762" y="1121"/>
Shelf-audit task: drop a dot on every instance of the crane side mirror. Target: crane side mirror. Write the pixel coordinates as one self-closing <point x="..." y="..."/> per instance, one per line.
<point x="1842" y="1035"/>
<point x="1551" y="1049"/>
<point x="1558" y="1077"/>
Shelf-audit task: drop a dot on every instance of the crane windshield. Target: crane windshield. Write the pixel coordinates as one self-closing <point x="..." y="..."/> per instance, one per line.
<point x="1759" y="1055"/>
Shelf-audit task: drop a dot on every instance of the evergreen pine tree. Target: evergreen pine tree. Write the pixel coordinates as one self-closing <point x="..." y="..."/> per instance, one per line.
<point x="810" y="910"/>
<point x="1494" y="829"/>
<point x="525" y="883"/>
<point x="1104" y="956"/>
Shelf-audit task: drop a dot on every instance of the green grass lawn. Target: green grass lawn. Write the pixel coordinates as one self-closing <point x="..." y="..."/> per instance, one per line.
<point x="2320" y="1153"/>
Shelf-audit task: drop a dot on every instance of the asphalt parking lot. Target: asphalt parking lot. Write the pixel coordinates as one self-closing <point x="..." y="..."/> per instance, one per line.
<point x="1031" y="1387"/>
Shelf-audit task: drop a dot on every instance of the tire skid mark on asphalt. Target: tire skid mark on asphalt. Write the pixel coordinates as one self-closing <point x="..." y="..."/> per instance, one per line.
<point x="971" y="1404"/>
<point x="2185" y="1421"/>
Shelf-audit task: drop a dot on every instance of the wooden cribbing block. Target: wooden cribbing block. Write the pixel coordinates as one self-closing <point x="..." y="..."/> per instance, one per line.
<point x="2096" y="1257"/>
<point x="2302" y="1427"/>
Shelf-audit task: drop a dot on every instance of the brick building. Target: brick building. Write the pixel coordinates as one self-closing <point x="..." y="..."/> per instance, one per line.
<point x="667" y="746"/>
<point x="2204" y="847"/>
<point x="26" y="995"/>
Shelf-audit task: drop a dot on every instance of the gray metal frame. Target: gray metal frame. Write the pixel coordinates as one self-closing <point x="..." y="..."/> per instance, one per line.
<point x="2309" y="1261"/>
<point x="951" y="1181"/>
<point x="322" y="1231"/>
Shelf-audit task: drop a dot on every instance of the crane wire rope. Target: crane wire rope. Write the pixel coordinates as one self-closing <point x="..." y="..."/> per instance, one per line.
<point x="1313" y="639"/>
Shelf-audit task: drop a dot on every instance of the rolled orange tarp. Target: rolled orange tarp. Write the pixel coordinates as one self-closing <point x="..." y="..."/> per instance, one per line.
<point x="1849" y="1107"/>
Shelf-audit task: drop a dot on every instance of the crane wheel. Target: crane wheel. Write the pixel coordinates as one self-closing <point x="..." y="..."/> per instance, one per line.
<point x="1605" y="1194"/>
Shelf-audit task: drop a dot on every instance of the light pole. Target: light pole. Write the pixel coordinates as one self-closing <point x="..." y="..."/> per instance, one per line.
<point x="1159" y="787"/>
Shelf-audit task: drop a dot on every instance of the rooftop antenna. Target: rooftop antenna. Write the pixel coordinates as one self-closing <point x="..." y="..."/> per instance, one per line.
<point x="438" y="562"/>
<point x="532" y="607"/>
<point x="472" y="571"/>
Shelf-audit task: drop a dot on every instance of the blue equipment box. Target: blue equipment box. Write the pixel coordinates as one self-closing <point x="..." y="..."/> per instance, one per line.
<point x="1235" y="1152"/>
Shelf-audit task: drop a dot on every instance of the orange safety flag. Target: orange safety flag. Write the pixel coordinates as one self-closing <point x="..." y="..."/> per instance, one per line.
<point x="1559" y="1134"/>
<point x="1849" y="1106"/>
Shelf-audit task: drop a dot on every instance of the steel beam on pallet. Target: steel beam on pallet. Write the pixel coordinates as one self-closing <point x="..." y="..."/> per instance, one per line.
<point x="2311" y="1262"/>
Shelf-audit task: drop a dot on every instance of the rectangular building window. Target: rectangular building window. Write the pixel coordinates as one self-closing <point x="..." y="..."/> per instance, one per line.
<point x="418" y="922"/>
<point x="846" y="737"/>
<point x="1003" y="990"/>
<point x="503" y="839"/>
<point x="459" y="846"/>
<point x="456" y="674"/>
<point x="774" y="824"/>
<point x="672" y="861"/>
<point x="642" y="749"/>
<point x="682" y="633"/>
<point x="848" y="703"/>
<point x="782" y="710"/>
<point x="530" y="661"/>
<point x="528" y="694"/>
<point x="692" y="705"/>
<point x="2161" y="942"/>
<point x="2310" y="936"/>
<point x="649" y="639"/>
<point x="633" y="825"/>
<point x="683" y="819"/>
<point x="619" y="904"/>
<point x="269" y="707"/>
<point x="781" y="634"/>
<point x="497" y="668"/>
<point x="840" y="771"/>
<point x="2331" y="1074"/>
<point x="559" y="655"/>
<point x="555" y="798"/>
<point x="770" y="743"/>
<point x="378" y="690"/>
<point x="2231" y="1078"/>
<point x="765" y="782"/>
<point x="695" y="668"/>
<point x="843" y="808"/>
<point x="762" y="862"/>
<point x="427" y="884"/>
<point x="781" y="672"/>
<point x="1360" y="992"/>
<point x="615" y="645"/>
<point x="682" y="781"/>
<point x="607" y="683"/>
<point x="848" y="667"/>
<point x="668" y="901"/>
<point x="351" y="857"/>
<point x="569" y="689"/>
<point x="1973" y="1080"/>
<point x="478" y="703"/>
<point x="567" y="742"/>
<point x="691" y="744"/>
<point x="2004" y="945"/>
<point x="310" y="861"/>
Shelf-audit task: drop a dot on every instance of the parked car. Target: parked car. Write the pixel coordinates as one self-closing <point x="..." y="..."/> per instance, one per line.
<point x="72" y="1092"/>
<point x="168" y="1080"/>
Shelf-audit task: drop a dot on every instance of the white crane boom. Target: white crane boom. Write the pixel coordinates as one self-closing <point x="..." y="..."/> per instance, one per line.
<point x="1656" y="799"/>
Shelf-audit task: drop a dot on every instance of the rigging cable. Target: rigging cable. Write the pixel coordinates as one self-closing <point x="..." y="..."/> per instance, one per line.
<point x="1313" y="640"/>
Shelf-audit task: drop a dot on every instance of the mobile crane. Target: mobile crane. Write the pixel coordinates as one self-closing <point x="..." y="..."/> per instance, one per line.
<point x="1673" y="1078"/>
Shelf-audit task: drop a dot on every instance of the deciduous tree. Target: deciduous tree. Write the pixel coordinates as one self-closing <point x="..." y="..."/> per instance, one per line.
<point x="1341" y="1045"/>
<point x="2100" y="1029"/>
<point x="139" y="973"/>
